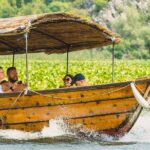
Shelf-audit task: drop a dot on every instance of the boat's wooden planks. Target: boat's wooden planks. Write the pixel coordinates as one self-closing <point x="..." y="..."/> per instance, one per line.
<point x="80" y="97"/>
<point x="97" y="123"/>
<point x="126" y="125"/>
<point x="34" y="126"/>
<point x="91" y="108"/>
<point x="68" y="111"/>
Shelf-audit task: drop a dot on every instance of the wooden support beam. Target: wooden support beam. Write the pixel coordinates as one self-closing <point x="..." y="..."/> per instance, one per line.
<point x="51" y="36"/>
<point x="11" y="45"/>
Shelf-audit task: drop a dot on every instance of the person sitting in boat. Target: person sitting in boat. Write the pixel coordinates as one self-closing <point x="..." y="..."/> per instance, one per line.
<point x="68" y="78"/>
<point x="13" y="85"/>
<point x="79" y="80"/>
<point x="2" y="81"/>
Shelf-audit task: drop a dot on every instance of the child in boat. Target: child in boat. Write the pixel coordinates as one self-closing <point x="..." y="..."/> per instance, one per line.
<point x="79" y="80"/>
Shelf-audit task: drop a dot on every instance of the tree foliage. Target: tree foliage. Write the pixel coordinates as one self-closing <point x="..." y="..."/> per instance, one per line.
<point x="132" y="25"/>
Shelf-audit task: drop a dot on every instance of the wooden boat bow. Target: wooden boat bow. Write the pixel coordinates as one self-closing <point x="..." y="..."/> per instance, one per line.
<point x="141" y="99"/>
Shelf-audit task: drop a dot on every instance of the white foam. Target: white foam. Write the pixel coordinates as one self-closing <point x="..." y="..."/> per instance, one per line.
<point x="140" y="131"/>
<point x="56" y="128"/>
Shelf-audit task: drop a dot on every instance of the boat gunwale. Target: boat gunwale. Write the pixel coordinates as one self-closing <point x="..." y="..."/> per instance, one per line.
<point x="74" y="89"/>
<point x="73" y="103"/>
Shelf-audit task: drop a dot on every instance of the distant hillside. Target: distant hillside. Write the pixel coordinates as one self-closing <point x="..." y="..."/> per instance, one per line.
<point x="116" y="8"/>
<point x="129" y="18"/>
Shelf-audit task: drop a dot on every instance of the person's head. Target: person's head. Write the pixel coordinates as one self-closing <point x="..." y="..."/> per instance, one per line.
<point x="2" y="74"/>
<point x="12" y="74"/>
<point x="79" y="80"/>
<point x="68" y="78"/>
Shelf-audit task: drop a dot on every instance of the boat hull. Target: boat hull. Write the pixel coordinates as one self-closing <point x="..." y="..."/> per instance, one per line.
<point x="110" y="108"/>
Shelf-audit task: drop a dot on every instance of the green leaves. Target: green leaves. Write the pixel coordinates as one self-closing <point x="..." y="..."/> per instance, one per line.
<point x="58" y="6"/>
<point x="99" y="4"/>
<point x="45" y="74"/>
<point x="133" y="27"/>
<point x="132" y="24"/>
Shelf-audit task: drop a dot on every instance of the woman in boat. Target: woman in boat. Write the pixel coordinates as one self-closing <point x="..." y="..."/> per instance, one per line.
<point x="68" y="78"/>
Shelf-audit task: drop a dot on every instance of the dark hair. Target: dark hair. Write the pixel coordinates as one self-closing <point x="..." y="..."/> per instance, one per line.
<point x="1" y="67"/>
<point x="68" y="75"/>
<point x="78" y="77"/>
<point x="9" y="69"/>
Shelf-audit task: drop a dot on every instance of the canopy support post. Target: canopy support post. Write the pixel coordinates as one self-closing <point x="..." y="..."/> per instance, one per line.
<point x="113" y="58"/>
<point x="67" y="69"/>
<point x="27" y="69"/>
<point x="13" y="60"/>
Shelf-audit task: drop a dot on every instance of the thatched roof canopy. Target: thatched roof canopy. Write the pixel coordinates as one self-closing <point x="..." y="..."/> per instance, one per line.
<point x="51" y="33"/>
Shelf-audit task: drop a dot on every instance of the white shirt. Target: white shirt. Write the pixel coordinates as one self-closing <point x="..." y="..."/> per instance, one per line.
<point x="1" y="90"/>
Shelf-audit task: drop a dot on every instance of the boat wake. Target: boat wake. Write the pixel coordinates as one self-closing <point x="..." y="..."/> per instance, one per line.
<point x="56" y="128"/>
<point x="141" y="130"/>
<point x="58" y="132"/>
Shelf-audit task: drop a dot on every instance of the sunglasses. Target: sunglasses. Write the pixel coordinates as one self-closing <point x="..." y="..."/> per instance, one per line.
<point x="67" y="79"/>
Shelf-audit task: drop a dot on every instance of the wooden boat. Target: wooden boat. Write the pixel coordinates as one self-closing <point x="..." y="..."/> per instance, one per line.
<point x="109" y="108"/>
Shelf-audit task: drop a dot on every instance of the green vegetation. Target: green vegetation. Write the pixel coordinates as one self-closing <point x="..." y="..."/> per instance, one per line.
<point x="99" y="4"/>
<point x="45" y="74"/>
<point x="10" y="8"/>
<point x="132" y="24"/>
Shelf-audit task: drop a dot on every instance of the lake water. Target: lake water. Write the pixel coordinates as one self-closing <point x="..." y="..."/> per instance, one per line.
<point x="56" y="137"/>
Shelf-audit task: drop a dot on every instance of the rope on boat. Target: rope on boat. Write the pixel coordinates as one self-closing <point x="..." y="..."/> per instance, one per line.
<point x="24" y="92"/>
<point x="64" y="98"/>
<point x="12" y="105"/>
<point x="63" y="109"/>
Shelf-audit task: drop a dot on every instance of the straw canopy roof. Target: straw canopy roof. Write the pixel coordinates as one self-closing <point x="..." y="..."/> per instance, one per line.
<point x="51" y="33"/>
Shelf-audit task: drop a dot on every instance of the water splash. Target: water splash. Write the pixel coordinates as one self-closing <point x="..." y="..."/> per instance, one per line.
<point x="140" y="133"/>
<point x="56" y="128"/>
<point x="141" y="130"/>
